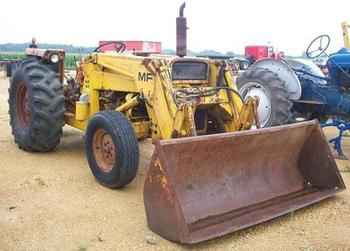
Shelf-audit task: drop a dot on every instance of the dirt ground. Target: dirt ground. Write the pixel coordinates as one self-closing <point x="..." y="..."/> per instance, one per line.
<point x="52" y="202"/>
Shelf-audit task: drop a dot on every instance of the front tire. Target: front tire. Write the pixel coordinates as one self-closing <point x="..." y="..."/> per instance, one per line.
<point x="36" y="103"/>
<point x="112" y="149"/>
<point x="275" y="108"/>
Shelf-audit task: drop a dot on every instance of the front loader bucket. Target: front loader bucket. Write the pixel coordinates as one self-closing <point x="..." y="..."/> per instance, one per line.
<point x="203" y="187"/>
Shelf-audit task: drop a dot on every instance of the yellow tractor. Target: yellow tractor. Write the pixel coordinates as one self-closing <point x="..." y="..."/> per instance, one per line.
<point x="209" y="174"/>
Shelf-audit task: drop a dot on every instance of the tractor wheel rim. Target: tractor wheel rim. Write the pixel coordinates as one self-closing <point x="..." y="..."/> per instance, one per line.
<point x="104" y="150"/>
<point x="23" y="106"/>
<point x="253" y="89"/>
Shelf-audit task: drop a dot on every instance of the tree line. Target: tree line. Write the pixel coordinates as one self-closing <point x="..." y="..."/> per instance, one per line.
<point x="20" y="47"/>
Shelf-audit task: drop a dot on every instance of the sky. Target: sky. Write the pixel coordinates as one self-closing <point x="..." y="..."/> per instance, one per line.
<point x="222" y="25"/>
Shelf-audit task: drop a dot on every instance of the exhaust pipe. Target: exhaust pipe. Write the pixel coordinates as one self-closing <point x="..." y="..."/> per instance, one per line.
<point x="181" y="33"/>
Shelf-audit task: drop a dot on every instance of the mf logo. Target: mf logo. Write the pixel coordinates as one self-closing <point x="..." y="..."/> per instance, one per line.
<point x="145" y="76"/>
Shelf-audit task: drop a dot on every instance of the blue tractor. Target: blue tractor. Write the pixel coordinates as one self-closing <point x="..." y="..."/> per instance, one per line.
<point x="297" y="89"/>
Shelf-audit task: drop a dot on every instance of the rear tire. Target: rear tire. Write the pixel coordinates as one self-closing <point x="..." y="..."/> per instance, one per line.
<point x="8" y="70"/>
<point x="278" y="110"/>
<point x="11" y="68"/>
<point x="36" y="103"/>
<point x="112" y="149"/>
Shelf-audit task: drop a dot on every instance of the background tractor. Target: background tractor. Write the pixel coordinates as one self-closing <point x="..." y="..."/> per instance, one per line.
<point x="209" y="175"/>
<point x="296" y="88"/>
<point x="254" y="53"/>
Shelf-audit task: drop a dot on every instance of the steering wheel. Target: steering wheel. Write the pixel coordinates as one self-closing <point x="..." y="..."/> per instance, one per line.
<point x="119" y="47"/>
<point x="318" y="46"/>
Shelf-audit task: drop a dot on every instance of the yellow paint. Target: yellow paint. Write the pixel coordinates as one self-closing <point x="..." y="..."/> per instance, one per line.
<point x="129" y="104"/>
<point x="346" y="36"/>
<point x="81" y="110"/>
<point x="70" y="120"/>
<point x="147" y="81"/>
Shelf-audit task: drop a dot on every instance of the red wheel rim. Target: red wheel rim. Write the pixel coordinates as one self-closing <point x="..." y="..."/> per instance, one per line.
<point x="104" y="150"/>
<point x="23" y="105"/>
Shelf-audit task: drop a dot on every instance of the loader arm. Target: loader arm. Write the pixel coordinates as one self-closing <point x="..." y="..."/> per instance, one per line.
<point x="174" y="109"/>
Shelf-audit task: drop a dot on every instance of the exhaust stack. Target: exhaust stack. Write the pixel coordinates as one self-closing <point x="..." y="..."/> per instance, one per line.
<point x="181" y="33"/>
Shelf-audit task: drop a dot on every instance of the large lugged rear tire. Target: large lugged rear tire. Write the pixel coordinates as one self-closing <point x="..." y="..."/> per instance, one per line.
<point x="275" y="108"/>
<point x="8" y="70"/>
<point x="112" y="149"/>
<point x="36" y="107"/>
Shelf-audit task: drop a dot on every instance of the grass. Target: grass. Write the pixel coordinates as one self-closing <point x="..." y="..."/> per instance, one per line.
<point x="4" y="56"/>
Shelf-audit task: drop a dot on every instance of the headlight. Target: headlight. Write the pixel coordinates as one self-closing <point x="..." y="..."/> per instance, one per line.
<point x="54" y="58"/>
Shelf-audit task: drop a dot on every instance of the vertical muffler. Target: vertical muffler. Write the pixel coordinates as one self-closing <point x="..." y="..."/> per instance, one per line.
<point x="181" y="33"/>
<point x="199" y="188"/>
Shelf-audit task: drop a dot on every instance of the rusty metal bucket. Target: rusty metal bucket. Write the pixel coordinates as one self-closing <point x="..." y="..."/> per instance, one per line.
<point x="204" y="187"/>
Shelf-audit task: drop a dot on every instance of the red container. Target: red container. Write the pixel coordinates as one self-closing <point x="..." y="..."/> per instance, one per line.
<point x="257" y="52"/>
<point x="148" y="47"/>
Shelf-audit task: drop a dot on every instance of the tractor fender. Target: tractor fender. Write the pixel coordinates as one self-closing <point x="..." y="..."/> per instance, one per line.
<point x="285" y="73"/>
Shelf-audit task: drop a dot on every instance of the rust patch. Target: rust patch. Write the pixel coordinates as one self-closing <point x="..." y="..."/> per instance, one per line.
<point x="209" y="186"/>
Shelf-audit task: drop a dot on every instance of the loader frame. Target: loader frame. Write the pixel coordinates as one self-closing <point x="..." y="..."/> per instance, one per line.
<point x="148" y="80"/>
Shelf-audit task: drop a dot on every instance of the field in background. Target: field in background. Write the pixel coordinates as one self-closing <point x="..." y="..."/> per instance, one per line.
<point x="69" y="62"/>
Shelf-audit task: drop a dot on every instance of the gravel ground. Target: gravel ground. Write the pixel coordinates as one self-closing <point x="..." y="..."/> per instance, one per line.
<point x="52" y="202"/>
